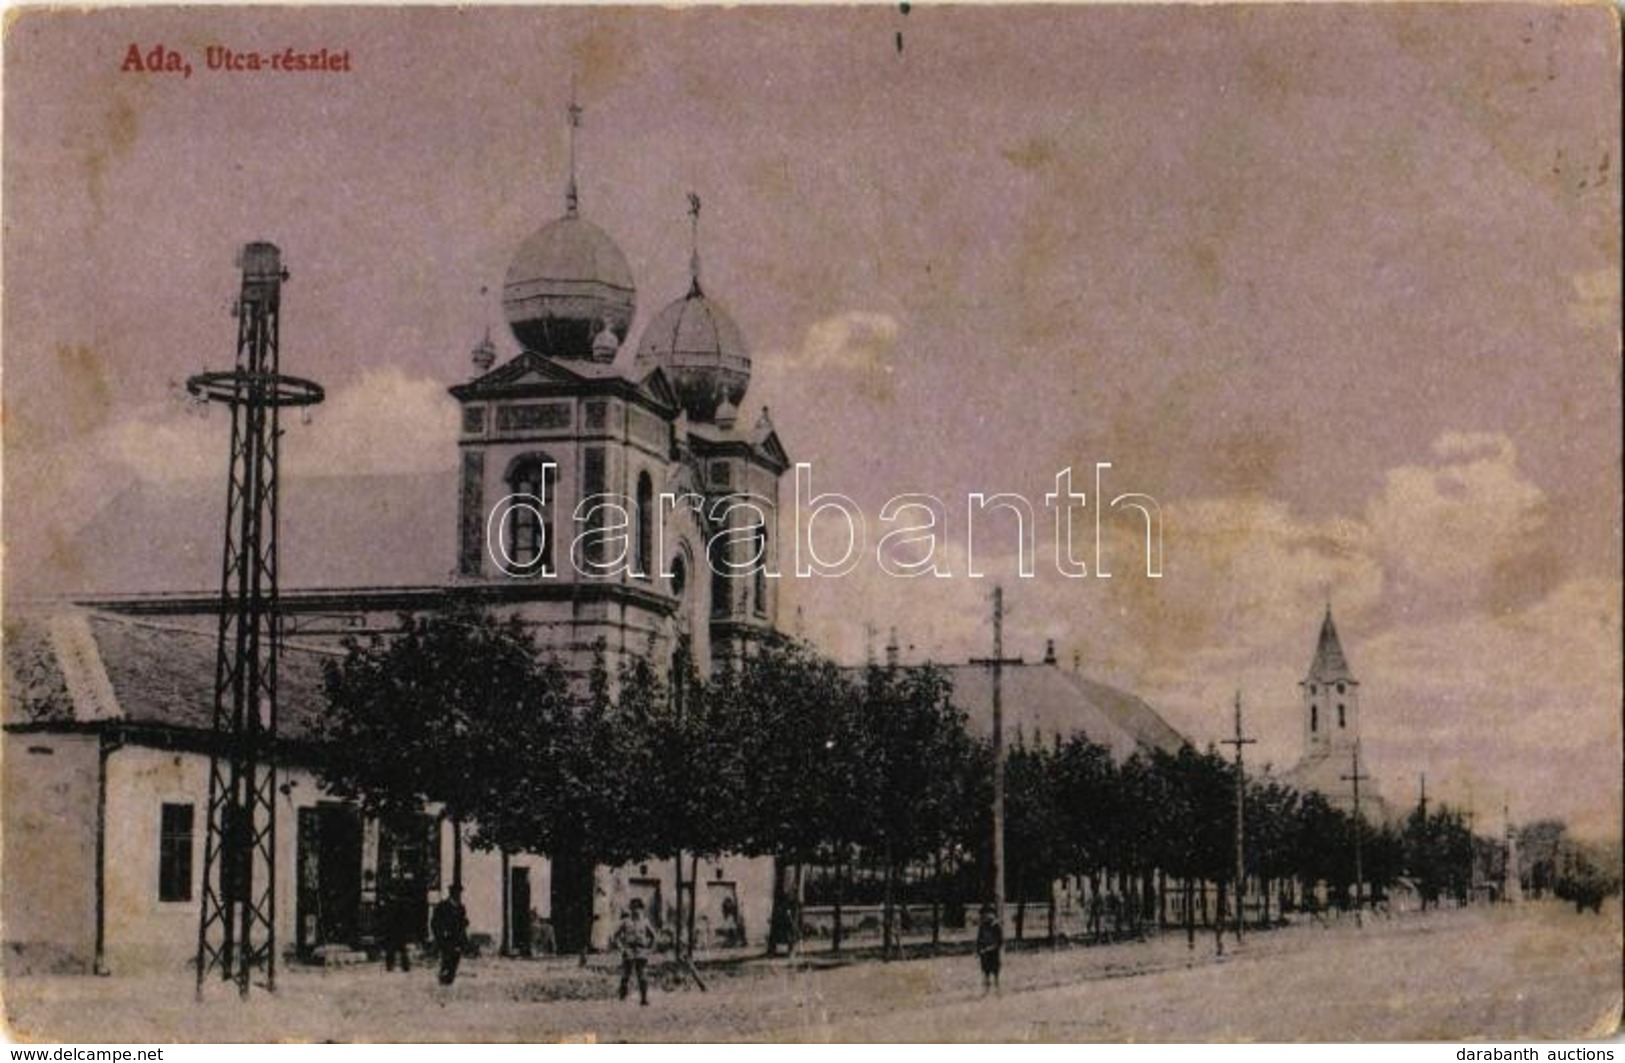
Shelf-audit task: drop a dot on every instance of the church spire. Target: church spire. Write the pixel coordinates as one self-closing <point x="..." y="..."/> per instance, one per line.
<point x="1329" y="663"/>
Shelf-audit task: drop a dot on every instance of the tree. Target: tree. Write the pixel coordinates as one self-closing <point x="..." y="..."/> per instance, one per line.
<point x="1272" y="810"/>
<point x="457" y="710"/>
<point x="1032" y="825"/>
<point x="1437" y="851"/>
<point x="904" y="719"/>
<point x="788" y="712"/>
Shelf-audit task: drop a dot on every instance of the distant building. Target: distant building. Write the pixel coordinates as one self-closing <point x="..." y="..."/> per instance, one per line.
<point x="1044" y="702"/>
<point x="1330" y="696"/>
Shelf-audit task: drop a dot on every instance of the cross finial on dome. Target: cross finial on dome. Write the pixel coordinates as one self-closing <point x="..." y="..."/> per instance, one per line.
<point x="572" y="198"/>
<point x="484" y="354"/>
<point x="694" y="244"/>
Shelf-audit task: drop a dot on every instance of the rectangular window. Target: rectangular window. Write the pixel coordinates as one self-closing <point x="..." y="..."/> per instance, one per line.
<point x="175" y="854"/>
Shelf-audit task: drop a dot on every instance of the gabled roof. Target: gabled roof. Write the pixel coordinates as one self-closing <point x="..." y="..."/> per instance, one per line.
<point x="1329" y="664"/>
<point x="768" y="443"/>
<point x="525" y="373"/>
<point x="530" y="374"/>
<point x="155" y="674"/>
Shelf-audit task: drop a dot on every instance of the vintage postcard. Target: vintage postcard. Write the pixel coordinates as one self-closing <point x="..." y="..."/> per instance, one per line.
<point x="840" y="523"/>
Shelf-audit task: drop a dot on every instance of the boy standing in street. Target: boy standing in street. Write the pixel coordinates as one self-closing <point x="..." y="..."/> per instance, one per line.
<point x="989" y="945"/>
<point x="635" y="937"/>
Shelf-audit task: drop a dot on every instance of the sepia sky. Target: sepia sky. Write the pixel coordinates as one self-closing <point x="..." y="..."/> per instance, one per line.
<point x="1338" y="286"/>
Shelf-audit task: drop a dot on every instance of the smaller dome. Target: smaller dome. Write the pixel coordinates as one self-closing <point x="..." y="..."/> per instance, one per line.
<point x="568" y="283"/>
<point x="698" y="345"/>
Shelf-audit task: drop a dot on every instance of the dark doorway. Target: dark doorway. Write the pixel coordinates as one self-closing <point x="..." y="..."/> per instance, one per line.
<point x="571" y="897"/>
<point x="328" y="906"/>
<point x="408" y="868"/>
<point x="519" y="910"/>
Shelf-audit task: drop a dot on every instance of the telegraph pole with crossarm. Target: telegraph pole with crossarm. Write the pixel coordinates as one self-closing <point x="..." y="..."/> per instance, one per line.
<point x="1241" y="814"/>
<point x="997" y="663"/>
<point x="1359" y="829"/>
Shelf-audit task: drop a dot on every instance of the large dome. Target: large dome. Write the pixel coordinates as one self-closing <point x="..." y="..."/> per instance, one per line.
<point x="701" y="349"/>
<point x="566" y="285"/>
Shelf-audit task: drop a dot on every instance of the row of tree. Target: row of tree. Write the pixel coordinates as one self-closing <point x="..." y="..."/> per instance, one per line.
<point x="790" y="756"/>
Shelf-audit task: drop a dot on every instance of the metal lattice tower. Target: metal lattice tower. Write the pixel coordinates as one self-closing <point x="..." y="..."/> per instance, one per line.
<point x="237" y="922"/>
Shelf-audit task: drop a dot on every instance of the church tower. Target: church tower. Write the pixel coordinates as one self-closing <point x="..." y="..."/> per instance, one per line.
<point x="1330" y="696"/>
<point x="598" y="485"/>
<point x="1331" y="699"/>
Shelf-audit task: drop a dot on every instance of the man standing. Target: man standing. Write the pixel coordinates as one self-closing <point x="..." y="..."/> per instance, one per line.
<point x="635" y="937"/>
<point x="450" y="926"/>
<point x="399" y="932"/>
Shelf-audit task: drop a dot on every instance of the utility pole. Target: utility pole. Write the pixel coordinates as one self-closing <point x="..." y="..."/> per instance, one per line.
<point x="237" y="916"/>
<point x="1241" y="813"/>
<point x="1359" y="829"/>
<point x="997" y="663"/>
<point x="1511" y="882"/>
<point x="1472" y="850"/>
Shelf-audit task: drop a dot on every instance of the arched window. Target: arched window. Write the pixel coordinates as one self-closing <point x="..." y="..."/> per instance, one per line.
<point x="721" y="579"/>
<point x="1341" y="721"/>
<point x="646" y="524"/>
<point x="761" y="571"/>
<point x="1314" y="718"/>
<point x="530" y="527"/>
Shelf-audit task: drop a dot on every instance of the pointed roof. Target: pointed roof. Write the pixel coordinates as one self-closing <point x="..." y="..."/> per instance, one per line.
<point x="1329" y="663"/>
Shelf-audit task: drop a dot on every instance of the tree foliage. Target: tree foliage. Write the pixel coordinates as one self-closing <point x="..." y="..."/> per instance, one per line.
<point x="785" y="754"/>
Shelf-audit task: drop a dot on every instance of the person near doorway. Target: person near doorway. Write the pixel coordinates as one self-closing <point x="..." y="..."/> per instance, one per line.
<point x="989" y="945"/>
<point x="399" y="932"/>
<point x="634" y="937"/>
<point x="450" y="926"/>
<point x="733" y="931"/>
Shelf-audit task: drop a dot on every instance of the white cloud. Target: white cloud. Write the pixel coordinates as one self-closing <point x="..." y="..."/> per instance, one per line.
<point x="851" y="340"/>
<point x="1462" y="520"/>
<point x="385" y="422"/>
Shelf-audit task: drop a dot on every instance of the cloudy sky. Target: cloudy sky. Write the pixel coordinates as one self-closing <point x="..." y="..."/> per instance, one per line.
<point x="1338" y="286"/>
